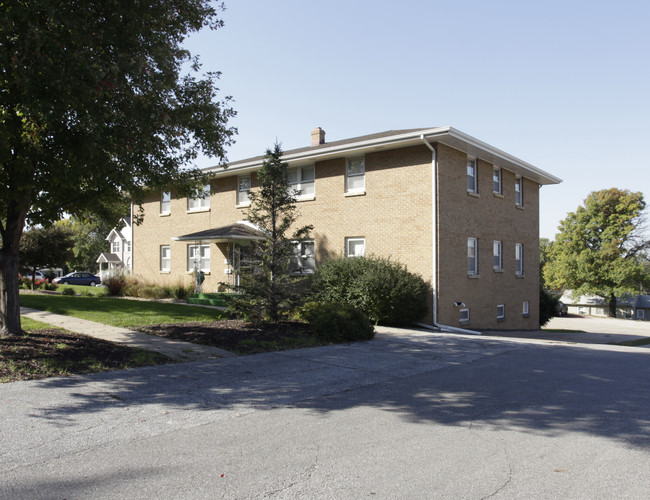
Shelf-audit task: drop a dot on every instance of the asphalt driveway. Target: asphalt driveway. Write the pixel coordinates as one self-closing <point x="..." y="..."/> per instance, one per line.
<point x="408" y="415"/>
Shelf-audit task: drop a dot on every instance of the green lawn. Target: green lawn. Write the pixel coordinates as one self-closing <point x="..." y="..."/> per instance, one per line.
<point x="119" y="312"/>
<point x="100" y="291"/>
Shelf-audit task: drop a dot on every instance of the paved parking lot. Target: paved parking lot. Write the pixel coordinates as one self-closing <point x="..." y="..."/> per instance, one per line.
<point x="586" y="330"/>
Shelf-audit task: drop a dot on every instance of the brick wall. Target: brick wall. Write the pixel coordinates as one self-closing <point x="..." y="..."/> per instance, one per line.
<point x="394" y="217"/>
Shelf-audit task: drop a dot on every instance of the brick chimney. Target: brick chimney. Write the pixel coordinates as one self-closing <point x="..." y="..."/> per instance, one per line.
<point x="317" y="136"/>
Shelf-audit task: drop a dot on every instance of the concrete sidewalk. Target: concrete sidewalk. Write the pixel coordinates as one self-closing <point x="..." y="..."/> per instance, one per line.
<point x="176" y="349"/>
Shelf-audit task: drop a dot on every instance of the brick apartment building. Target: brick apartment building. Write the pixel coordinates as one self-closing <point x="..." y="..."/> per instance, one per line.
<point x="377" y="194"/>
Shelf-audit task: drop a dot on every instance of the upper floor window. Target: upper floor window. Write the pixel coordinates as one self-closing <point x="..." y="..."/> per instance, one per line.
<point x="200" y="199"/>
<point x="355" y="175"/>
<point x="127" y="246"/>
<point x="472" y="176"/>
<point x="496" y="181"/>
<point x="301" y="181"/>
<point x="243" y="189"/>
<point x="355" y="247"/>
<point x="115" y="246"/>
<point x="165" y="258"/>
<point x="303" y="258"/>
<point x="166" y="202"/>
<point x="519" y="192"/>
<point x="472" y="256"/>
<point x="519" y="259"/>
<point x="498" y="255"/>
<point x="198" y="257"/>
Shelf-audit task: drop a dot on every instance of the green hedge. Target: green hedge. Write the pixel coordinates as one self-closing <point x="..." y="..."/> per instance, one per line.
<point x="383" y="289"/>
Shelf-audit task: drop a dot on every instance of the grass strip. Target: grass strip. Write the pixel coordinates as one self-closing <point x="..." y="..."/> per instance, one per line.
<point x="118" y="312"/>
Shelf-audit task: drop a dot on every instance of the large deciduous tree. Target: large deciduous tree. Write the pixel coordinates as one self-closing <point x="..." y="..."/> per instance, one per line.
<point x="98" y="100"/>
<point x="599" y="248"/>
<point x="270" y="289"/>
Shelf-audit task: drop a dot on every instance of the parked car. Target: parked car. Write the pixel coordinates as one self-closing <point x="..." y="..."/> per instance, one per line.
<point x="561" y="309"/>
<point x="77" y="278"/>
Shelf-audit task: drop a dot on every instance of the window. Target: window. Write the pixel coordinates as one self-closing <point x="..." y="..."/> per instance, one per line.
<point x="198" y="257"/>
<point x="501" y="312"/>
<point x="115" y="246"/>
<point x="243" y="189"/>
<point x="640" y="314"/>
<point x="301" y="181"/>
<point x="472" y="256"/>
<point x="355" y="176"/>
<point x="200" y="200"/>
<point x="519" y="192"/>
<point x="496" y="181"/>
<point x="464" y="315"/>
<point x="166" y="202"/>
<point x="519" y="259"/>
<point x="526" y="308"/>
<point x="127" y="247"/>
<point x="303" y="258"/>
<point x="472" y="178"/>
<point x="165" y="258"/>
<point x="355" y="247"/>
<point x="498" y="258"/>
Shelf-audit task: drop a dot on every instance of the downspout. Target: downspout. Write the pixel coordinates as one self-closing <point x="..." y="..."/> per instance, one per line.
<point x="434" y="222"/>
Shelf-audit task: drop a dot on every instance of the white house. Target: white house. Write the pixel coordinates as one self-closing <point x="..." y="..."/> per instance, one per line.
<point x="119" y="260"/>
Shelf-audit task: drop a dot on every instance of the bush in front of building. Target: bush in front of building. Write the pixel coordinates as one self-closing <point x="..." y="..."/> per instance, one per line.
<point x="335" y="322"/>
<point x="383" y="289"/>
<point x="115" y="285"/>
<point x="547" y="306"/>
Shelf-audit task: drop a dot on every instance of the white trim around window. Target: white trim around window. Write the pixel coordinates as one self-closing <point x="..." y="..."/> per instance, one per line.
<point x="199" y="201"/>
<point x="165" y="258"/>
<point x="519" y="191"/>
<point x="355" y="175"/>
<point x="497" y="252"/>
<point x="464" y="315"/>
<point x="525" y="308"/>
<point x="497" y="187"/>
<point x="472" y="176"/>
<point x="355" y="247"/>
<point x="501" y="312"/>
<point x="243" y="190"/>
<point x="115" y="247"/>
<point x="301" y="181"/>
<point x="198" y="257"/>
<point x="165" y="203"/>
<point x="472" y="257"/>
<point x="519" y="259"/>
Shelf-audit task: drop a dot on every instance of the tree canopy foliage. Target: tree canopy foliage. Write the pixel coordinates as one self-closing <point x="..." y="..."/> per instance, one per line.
<point x="271" y="289"/>
<point x="98" y="100"/>
<point x="600" y="247"/>
<point x="43" y="247"/>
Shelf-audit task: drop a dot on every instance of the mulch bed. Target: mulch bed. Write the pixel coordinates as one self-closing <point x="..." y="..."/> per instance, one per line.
<point x="54" y="352"/>
<point x="239" y="337"/>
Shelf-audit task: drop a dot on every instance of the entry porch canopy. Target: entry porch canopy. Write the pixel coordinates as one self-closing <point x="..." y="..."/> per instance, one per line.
<point x="239" y="231"/>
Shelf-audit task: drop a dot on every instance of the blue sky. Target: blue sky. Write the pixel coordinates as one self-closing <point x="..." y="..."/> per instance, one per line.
<point x="564" y="85"/>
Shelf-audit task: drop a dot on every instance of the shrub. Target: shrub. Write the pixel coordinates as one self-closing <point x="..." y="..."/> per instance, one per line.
<point x="547" y="306"/>
<point x="340" y="323"/>
<point x="67" y="291"/>
<point x="50" y="286"/>
<point x="384" y="290"/>
<point x="115" y="285"/>
<point x="180" y="291"/>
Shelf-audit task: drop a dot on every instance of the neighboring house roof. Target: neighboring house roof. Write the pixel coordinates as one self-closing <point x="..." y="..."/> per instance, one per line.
<point x="397" y="139"/>
<point x="108" y="258"/>
<point x="238" y="231"/>
<point x="636" y="301"/>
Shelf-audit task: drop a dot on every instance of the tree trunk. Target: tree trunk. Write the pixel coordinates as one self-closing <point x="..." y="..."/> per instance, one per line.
<point x="9" y="297"/>
<point x="612" y="306"/>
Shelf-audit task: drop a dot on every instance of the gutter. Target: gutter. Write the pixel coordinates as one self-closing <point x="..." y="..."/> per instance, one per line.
<point x="434" y="222"/>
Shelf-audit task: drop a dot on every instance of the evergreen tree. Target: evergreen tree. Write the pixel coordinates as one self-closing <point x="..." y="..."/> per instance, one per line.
<point x="270" y="290"/>
<point x="45" y="247"/>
